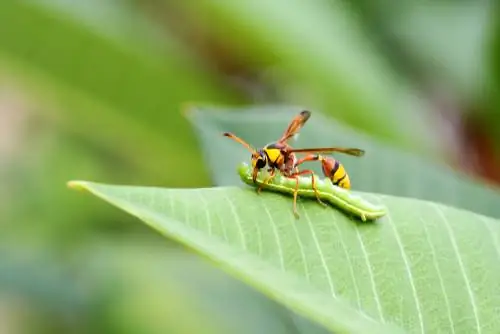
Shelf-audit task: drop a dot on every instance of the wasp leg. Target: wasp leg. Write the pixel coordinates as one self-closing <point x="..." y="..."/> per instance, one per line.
<point x="295" y="193"/>
<point x="316" y="192"/>
<point x="311" y="157"/>
<point x="267" y="180"/>
<point x="313" y="183"/>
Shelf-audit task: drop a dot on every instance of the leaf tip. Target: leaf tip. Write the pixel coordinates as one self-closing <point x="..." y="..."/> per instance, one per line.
<point x="77" y="185"/>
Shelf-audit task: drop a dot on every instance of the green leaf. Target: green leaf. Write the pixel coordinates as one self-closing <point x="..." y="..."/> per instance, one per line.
<point x="424" y="267"/>
<point x="383" y="169"/>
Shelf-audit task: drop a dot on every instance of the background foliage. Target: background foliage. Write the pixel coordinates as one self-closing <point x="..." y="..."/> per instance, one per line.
<point x="94" y="90"/>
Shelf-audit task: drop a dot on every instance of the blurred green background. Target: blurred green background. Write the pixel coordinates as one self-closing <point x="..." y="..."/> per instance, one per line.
<point x="94" y="90"/>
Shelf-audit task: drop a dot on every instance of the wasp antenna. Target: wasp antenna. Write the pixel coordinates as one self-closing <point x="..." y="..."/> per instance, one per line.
<point x="239" y="140"/>
<point x="305" y="114"/>
<point x="357" y="152"/>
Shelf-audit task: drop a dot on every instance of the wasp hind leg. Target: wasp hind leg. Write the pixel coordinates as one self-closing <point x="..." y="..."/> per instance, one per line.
<point x="313" y="183"/>
<point x="312" y="157"/>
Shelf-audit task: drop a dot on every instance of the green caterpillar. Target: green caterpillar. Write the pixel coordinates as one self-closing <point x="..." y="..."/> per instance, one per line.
<point x="328" y="192"/>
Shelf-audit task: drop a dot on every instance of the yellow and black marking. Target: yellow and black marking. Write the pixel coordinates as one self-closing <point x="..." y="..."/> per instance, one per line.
<point x="337" y="174"/>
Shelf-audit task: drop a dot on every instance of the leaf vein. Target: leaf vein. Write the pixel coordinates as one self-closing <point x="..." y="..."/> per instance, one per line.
<point x="440" y="276"/>
<point x="408" y="271"/>
<point x="238" y="222"/>
<point x="207" y="212"/>
<point x="462" y="268"/>
<point x="276" y="237"/>
<point x="351" y="269"/>
<point x="302" y="253"/>
<point x="493" y="235"/>
<point x="370" y="273"/>
<point x="320" y="252"/>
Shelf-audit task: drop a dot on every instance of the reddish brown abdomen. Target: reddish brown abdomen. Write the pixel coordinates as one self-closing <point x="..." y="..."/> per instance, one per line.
<point x="334" y="170"/>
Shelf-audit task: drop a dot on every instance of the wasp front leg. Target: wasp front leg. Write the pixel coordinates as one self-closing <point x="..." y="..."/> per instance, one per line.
<point x="267" y="180"/>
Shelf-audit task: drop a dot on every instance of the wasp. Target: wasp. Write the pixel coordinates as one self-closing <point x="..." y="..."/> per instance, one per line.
<point x="281" y="156"/>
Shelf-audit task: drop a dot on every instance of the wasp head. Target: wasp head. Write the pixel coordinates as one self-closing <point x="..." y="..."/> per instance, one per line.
<point x="259" y="161"/>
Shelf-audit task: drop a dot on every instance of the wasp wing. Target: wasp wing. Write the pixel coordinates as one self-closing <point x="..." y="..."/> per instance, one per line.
<point x="350" y="151"/>
<point x="295" y="125"/>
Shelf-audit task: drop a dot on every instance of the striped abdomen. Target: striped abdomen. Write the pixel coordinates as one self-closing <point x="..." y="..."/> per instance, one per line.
<point x="336" y="172"/>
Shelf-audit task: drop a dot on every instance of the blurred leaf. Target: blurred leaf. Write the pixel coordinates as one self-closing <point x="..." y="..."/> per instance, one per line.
<point x="33" y="183"/>
<point x="204" y="297"/>
<point x="492" y="119"/>
<point x="122" y="95"/>
<point x="149" y="298"/>
<point x="346" y="285"/>
<point x="383" y="169"/>
<point x="447" y="45"/>
<point x="40" y="292"/>
<point x="442" y="42"/>
<point x="321" y="48"/>
<point x="117" y="19"/>
<point x="39" y="278"/>
<point x="448" y="38"/>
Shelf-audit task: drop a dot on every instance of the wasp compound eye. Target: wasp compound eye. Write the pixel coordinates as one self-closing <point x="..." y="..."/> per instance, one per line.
<point x="261" y="163"/>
